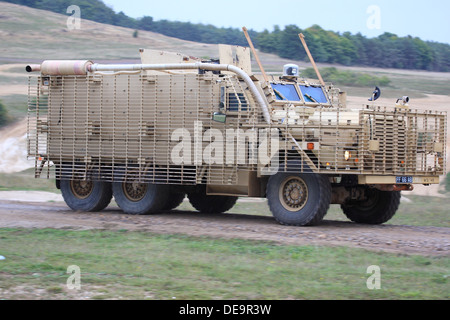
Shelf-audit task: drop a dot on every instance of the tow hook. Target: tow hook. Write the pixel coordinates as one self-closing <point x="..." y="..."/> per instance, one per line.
<point x="403" y="187"/>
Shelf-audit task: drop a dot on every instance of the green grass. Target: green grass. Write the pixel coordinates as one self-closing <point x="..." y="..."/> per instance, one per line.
<point x="421" y="211"/>
<point x="424" y="211"/>
<point x="25" y="181"/>
<point x="416" y="87"/>
<point x="139" y="265"/>
<point x="421" y="85"/>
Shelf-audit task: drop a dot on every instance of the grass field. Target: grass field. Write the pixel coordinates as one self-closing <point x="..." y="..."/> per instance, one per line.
<point x="25" y="181"/>
<point x="139" y="265"/>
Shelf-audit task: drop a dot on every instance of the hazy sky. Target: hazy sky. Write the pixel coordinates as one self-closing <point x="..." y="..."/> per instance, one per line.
<point x="428" y="20"/>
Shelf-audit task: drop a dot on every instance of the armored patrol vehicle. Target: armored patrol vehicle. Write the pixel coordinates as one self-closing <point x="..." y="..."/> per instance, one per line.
<point x="151" y="134"/>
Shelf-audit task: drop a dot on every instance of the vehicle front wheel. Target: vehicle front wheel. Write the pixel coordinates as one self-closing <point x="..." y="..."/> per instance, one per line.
<point x="299" y="199"/>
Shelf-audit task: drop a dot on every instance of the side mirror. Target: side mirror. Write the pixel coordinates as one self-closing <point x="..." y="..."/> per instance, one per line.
<point x="219" y="117"/>
<point x="376" y="94"/>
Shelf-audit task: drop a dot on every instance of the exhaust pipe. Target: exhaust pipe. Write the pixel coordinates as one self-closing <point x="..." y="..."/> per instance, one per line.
<point x="33" y="68"/>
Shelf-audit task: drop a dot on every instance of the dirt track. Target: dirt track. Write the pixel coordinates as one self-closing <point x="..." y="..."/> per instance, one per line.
<point x="429" y="241"/>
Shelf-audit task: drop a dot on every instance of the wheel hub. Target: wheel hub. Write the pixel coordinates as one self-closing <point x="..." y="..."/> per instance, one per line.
<point x="135" y="191"/>
<point x="82" y="189"/>
<point x="293" y="194"/>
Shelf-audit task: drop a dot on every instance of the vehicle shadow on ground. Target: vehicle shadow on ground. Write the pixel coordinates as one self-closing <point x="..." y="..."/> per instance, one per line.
<point x="231" y="218"/>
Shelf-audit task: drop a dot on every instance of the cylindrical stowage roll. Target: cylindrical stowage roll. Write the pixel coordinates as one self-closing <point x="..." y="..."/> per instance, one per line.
<point x="65" y="67"/>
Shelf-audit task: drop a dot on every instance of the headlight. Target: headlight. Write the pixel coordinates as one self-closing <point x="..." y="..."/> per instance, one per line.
<point x="347" y="155"/>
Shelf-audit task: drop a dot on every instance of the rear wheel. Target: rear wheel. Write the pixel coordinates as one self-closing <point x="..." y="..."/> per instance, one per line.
<point x="379" y="207"/>
<point x="299" y="199"/>
<point x="139" y="198"/>
<point x="86" y="195"/>
<point x="211" y="204"/>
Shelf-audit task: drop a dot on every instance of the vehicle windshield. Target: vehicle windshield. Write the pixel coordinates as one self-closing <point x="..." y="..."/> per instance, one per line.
<point x="313" y="94"/>
<point x="288" y="92"/>
<point x="285" y="92"/>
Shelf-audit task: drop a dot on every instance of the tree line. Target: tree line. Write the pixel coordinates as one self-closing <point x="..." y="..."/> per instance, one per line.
<point x="386" y="51"/>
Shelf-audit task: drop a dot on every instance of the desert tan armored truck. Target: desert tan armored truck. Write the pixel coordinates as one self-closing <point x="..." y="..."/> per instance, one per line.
<point x="149" y="134"/>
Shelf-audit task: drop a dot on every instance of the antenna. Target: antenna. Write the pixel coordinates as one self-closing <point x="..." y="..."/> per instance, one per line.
<point x="255" y="54"/>
<point x="302" y="39"/>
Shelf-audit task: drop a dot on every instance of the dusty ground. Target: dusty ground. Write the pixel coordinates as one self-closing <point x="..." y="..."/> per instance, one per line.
<point x="428" y="241"/>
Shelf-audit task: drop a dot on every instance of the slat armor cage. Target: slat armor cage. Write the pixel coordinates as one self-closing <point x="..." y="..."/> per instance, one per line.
<point x="163" y="129"/>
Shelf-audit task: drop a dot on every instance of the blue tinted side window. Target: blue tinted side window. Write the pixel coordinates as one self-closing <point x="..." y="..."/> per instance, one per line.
<point x="313" y="94"/>
<point x="285" y="92"/>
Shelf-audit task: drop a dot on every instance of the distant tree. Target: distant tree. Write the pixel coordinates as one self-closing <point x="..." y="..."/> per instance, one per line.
<point x="145" y="23"/>
<point x="122" y="20"/>
<point x="3" y="115"/>
<point x="267" y="41"/>
<point x="289" y="43"/>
